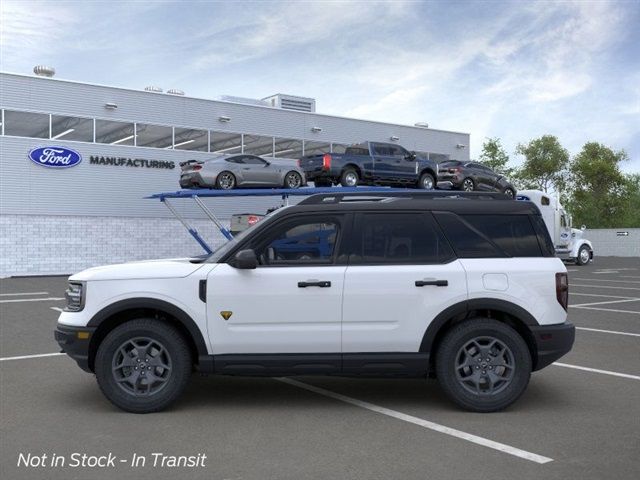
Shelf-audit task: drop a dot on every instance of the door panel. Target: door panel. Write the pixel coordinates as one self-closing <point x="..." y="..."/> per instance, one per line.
<point x="401" y="274"/>
<point x="292" y="302"/>
<point x="384" y="310"/>
<point x="270" y="313"/>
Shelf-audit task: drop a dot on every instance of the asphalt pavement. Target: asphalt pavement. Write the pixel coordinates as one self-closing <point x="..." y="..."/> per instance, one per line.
<point x="578" y="419"/>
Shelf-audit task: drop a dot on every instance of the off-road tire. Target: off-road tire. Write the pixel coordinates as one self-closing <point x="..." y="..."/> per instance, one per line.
<point x="448" y="352"/>
<point x="178" y="376"/>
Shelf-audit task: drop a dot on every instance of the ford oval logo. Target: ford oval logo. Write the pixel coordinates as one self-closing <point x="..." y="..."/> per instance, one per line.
<point x="55" y="157"/>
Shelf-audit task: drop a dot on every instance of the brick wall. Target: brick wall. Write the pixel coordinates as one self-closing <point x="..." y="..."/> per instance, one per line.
<point x="49" y="245"/>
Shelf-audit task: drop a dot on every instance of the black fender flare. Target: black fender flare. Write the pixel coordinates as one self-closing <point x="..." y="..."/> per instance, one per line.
<point x="154" y="304"/>
<point x="461" y="309"/>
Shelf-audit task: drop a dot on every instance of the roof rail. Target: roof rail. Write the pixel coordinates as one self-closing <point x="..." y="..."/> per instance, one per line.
<point x="339" y="197"/>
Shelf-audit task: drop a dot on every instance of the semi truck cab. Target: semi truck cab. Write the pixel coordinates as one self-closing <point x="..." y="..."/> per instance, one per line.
<point x="569" y="242"/>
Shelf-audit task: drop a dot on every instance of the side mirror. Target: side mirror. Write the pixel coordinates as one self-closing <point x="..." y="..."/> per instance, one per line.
<point x="583" y="227"/>
<point x="410" y="156"/>
<point x="245" y="260"/>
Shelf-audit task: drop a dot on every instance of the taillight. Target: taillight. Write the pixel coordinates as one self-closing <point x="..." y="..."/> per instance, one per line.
<point x="454" y="170"/>
<point x="326" y="161"/>
<point x="252" y="219"/>
<point x="197" y="167"/>
<point x="562" y="289"/>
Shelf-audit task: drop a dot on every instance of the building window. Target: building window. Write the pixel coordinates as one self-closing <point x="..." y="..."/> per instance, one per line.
<point x="316" y="148"/>
<point x="258" y="145"/>
<point x="156" y="136"/>
<point x="26" y="124"/>
<point x="191" y="139"/>
<point x="71" y="128"/>
<point x="114" y="133"/>
<point x="226" y="143"/>
<point x="287" y="148"/>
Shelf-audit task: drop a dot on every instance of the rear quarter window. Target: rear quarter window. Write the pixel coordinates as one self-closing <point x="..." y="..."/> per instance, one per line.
<point x="514" y="234"/>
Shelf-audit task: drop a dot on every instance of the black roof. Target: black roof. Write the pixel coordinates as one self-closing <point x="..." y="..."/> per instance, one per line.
<point x="456" y="202"/>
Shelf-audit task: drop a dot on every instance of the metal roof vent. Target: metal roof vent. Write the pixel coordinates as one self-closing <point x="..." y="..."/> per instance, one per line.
<point x="44" y="71"/>
<point x="175" y="91"/>
<point x="152" y="88"/>
<point x="292" y="102"/>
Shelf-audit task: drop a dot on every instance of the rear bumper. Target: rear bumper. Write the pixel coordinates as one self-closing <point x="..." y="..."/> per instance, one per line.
<point x="552" y="342"/>
<point x="192" y="180"/>
<point x="75" y="345"/>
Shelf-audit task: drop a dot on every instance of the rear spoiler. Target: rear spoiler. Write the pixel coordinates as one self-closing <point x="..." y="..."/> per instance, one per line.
<point x="189" y="162"/>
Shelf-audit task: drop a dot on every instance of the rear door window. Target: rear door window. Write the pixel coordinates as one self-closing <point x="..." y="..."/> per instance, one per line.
<point x="398" y="238"/>
<point x="466" y="240"/>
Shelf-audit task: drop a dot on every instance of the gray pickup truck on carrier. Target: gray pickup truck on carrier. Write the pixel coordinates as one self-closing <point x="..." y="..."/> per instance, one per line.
<point x="371" y="163"/>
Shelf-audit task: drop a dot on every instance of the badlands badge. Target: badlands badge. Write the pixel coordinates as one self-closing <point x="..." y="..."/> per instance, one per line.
<point x="226" y="314"/>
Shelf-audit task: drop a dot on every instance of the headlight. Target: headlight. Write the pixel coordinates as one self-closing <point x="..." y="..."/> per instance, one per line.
<point x="75" y="296"/>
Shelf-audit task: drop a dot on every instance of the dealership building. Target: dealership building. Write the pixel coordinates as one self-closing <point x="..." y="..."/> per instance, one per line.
<point x="127" y="145"/>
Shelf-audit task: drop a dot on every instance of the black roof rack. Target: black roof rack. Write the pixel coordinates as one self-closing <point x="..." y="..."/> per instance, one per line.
<point x="339" y="197"/>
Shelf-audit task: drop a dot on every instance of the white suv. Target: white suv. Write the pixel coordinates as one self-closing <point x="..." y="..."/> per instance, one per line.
<point x="463" y="287"/>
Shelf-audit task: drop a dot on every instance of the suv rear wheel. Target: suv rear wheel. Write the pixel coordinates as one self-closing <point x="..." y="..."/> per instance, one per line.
<point x="483" y="365"/>
<point x="468" y="185"/>
<point x="143" y="365"/>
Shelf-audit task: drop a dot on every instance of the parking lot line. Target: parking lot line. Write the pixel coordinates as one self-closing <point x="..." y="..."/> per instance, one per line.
<point x="25" y="357"/>
<point x="604" y="286"/>
<point x="608" y="331"/>
<point x="533" y="457"/>
<point x="49" y="299"/>
<point x="607" y="310"/>
<point x="606" y="280"/>
<point x="606" y="302"/>
<point x="57" y="309"/>
<point x="597" y="370"/>
<point x="629" y="276"/>
<point x="598" y="295"/>
<point x="22" y="293"/>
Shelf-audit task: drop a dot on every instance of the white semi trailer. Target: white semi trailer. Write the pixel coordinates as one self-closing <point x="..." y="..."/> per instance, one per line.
<point x="569" y="242"/>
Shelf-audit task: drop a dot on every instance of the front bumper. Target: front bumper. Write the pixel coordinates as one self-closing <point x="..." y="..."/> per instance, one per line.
<point x="552" y="342"/>
<point x="74" y="341"/>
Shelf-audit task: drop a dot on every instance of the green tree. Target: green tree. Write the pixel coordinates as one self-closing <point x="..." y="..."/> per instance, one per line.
<point x="631" y="211"/>
<point x="600" y="192"/>
<point x="494" y="156"/>
<point x="545" y="164"/>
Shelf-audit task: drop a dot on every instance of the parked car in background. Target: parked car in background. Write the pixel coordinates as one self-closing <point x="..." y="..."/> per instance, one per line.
<point x="470" y="176"/>
<point x="569" y="243"/>
<point x="241" y="221"/>
<point x="371" y="163"/>
<point x="228" y="172"/>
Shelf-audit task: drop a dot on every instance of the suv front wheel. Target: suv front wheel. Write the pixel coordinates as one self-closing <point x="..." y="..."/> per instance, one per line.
<point x="143" y="365"/>
<point x="483" y="365"/>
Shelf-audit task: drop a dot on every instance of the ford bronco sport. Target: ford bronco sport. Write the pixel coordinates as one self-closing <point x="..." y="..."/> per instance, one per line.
<point x="463" y="287"/>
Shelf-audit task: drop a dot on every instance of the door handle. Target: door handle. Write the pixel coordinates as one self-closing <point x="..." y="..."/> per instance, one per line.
<point x="437" y="283"/>
<point x="314" y="283"/>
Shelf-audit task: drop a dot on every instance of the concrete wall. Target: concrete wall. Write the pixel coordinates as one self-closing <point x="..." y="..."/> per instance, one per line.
<point x="610" y="243"/>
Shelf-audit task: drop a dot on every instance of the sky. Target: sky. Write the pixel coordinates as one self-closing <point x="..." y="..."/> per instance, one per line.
<point x="513" y="70"/>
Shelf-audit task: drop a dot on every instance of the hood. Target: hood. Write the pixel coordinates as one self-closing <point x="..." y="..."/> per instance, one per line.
<point x="577" y="233"/>
<point x="165" y="268"/>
